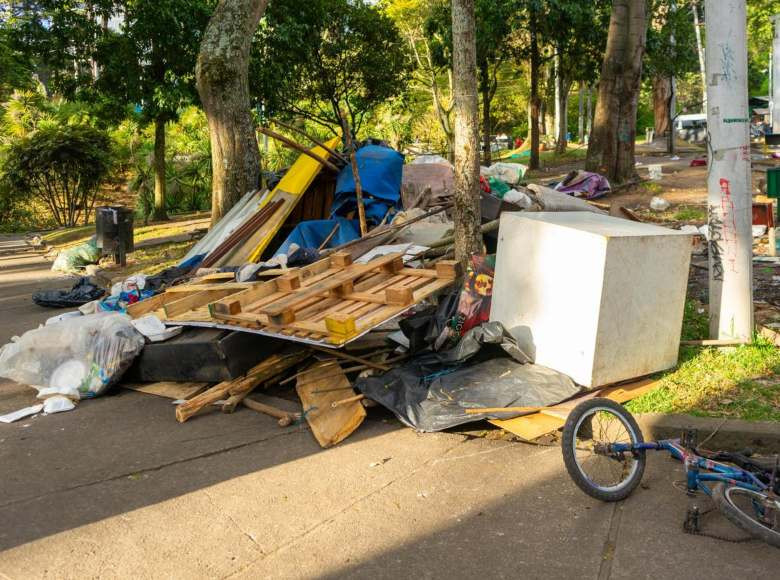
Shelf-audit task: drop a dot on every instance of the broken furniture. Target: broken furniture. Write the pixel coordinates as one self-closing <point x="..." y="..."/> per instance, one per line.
<point x="595" y="297"/>
<point x="207" y="355"/>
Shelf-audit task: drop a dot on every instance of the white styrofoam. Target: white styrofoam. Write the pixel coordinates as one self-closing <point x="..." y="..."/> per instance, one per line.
<point x="596" y="297"/>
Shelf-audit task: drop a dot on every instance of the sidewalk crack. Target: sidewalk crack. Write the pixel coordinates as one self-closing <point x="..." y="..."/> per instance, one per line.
<point x="332" y="517"/>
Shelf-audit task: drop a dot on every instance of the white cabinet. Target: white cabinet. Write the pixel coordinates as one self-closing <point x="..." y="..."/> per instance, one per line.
<point x="596" y="297"/>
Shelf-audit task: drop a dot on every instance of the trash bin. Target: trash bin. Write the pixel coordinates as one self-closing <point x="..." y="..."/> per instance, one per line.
<point x="114" y="231"/>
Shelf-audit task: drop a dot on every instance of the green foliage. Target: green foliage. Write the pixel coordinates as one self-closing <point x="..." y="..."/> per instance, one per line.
<point x="187" y="167"/>
<point x="315" y="58"/>
<point x="15" y="67"/>
<point x="150" y="60"/>
<point x="62" y="165"/>
<point x="670" y="48"/>
<point x="759" y="24"/>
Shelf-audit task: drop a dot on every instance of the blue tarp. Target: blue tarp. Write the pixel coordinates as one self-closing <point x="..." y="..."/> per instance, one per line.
<point x="312" y="233"/>
<point x="380" y="170"/>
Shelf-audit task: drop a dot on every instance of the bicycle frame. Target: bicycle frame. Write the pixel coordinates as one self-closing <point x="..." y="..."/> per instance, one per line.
<point x="695" y="465"/>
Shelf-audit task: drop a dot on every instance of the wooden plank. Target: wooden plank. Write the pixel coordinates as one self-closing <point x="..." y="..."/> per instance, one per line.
<point x="330" y="425"/>
<point x="283" y="308"/>
<point x="168" y="389"/>
<point x="262" y="290"/>
<point x="147" y="306"/>
<point x="191" y="288"/>
<point x="261" y="372"/>
<point x="530" y="427"/>
<point x="202" y="298"/>
<point x="214" y="277"/>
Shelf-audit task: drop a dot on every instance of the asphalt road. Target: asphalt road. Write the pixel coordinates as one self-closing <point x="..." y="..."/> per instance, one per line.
<point x="117" y="488"/>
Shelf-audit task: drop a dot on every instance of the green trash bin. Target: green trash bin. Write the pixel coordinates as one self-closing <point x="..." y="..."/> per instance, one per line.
<point x="773" y="182"/>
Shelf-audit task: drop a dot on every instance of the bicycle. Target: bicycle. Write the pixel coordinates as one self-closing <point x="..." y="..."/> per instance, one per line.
<point x="605" y="454"/>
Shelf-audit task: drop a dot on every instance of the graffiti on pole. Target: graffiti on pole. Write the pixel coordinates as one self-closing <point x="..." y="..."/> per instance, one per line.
<point x="723" y="233"/>
<point x="716" y="242"/>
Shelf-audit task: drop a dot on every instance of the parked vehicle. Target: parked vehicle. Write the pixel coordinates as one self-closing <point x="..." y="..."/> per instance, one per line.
<point x="692" y="128"/>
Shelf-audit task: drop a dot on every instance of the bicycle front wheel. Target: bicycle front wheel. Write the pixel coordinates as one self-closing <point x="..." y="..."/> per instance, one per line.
<point x="591" y="430"/>
<point x="753" y="511"/>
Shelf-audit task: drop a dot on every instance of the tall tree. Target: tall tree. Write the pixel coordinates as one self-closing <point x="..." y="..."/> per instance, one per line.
<point x="321" y="57"/>
<point x="160" y="37"/>
<point x="413" y="18"/>
<point x="146" y="60"/>
<point x="494" y="22"/>
<point x="468" y="238"/>
<point x="576" y="32"/>
<point x="670" y="53"/>
<point x="223" y="83"/>
<point x="611" y="148"/>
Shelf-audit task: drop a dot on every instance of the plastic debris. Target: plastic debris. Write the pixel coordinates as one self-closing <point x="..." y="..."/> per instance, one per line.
<point x="510" y="173"/>
<point x="79" y="358"/>
<point x="58" y="404"/>
<point x="72" y="260"/>
<point x="20" y="414"/>
<point x="84" y="291"/>
<point x="659" y="204"/>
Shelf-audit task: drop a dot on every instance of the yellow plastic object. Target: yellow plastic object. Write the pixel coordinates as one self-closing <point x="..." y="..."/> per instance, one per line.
<point x="294" y="183"/>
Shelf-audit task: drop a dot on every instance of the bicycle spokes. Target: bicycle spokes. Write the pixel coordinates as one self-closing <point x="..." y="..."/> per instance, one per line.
<point x="596" y="435"/>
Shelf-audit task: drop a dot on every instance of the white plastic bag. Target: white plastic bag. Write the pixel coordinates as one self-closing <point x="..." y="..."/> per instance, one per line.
<point x="509" y="173"/>
<point x="659" y="204"/>
<point x="78" y="357"/>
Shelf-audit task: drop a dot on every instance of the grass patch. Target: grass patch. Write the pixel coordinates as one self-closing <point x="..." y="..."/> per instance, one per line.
<point x="73" y="236"/>
<point x="690" y="213"/>
<point x="68" y="235"/>
<point x="739" y="383"/>
<point x="153" y="260"/>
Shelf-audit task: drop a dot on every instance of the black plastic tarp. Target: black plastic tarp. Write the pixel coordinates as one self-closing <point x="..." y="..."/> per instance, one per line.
<point x="486" y="369"/>
<point x="82" y="292"/>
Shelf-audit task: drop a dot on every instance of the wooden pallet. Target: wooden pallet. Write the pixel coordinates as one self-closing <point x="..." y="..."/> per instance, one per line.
<point x="329" y="302"/>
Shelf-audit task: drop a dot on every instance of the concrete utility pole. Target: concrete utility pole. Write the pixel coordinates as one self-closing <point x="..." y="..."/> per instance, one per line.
<point x="728" y="182"/>
<point x="774" y="88"/>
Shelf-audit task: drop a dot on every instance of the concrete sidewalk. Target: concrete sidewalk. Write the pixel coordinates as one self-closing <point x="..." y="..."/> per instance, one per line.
<point x="117" y="488"/>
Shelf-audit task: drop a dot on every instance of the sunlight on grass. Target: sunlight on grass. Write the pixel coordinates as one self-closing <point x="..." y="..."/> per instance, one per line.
<point x="739" y="382"/>
<point x="153" y="260"/>
<point x="690" y="213"/>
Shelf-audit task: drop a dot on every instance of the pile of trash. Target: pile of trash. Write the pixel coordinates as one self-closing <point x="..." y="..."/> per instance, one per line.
<point x="400" y="325"/>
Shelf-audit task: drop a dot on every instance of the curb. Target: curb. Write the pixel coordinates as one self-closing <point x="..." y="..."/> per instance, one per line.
<point x="731" y="434"/>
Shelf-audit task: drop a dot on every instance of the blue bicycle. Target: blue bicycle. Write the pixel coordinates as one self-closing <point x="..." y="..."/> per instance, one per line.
<point x="604" y="453"/>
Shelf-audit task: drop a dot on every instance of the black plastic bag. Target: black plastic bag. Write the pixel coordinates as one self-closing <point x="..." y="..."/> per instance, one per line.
<point x="84" y="291"/>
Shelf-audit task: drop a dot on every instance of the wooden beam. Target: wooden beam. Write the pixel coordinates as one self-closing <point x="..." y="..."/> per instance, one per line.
<point x="298" y="147"/>
<point x="318" y="143"/>
<point x="261" y="372"/>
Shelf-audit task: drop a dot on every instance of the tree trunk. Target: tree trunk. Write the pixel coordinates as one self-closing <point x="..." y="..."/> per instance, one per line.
<point x="700" y="52"/>
<point x="562" y="91"/>
<point x="662" y="91"/>
<point x="581" y="114"/>
<point x="486" y="125"/>
<point x="588" y="113"/>
<point x="159" y="212"/>
<point x="533" y="162"/>
<point x="222" y="75"/>
<point x="468" y="238"/>
<point x="611" y="149"/>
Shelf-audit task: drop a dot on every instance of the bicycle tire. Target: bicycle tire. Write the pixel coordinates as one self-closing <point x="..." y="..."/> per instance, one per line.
<point x="568" y="447"/>
<point x="732" y="512"/>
